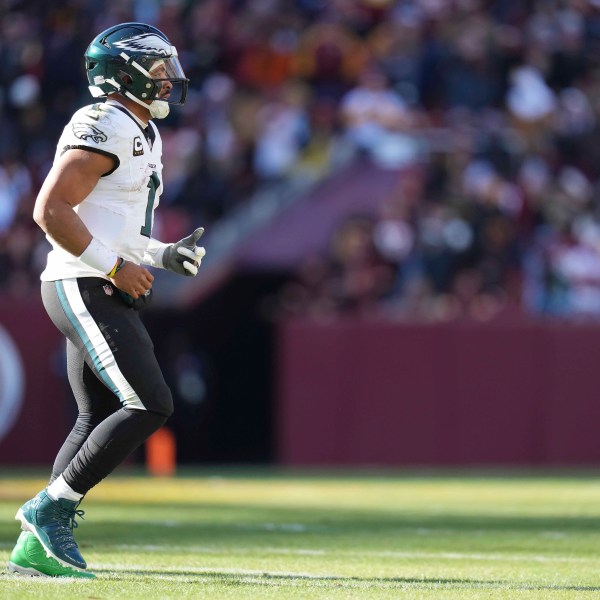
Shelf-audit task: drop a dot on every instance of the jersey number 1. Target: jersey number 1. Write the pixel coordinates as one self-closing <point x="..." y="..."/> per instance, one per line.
<point x="153" y="184"/>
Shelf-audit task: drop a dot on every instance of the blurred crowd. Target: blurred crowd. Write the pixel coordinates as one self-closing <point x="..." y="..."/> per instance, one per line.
<point x="487" y="109"/>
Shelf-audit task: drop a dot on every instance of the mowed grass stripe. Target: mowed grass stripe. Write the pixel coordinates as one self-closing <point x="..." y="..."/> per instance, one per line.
<point x="366" y="554"/>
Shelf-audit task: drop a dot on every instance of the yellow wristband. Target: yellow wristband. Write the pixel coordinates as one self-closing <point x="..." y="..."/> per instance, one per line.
<point x="114" y="270"/>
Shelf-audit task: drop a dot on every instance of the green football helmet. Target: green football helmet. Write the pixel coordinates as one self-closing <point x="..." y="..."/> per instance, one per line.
<point x="138" y="61"/>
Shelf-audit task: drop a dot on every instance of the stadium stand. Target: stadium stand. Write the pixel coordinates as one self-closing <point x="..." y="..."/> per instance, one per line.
<point x="482" y="112"/>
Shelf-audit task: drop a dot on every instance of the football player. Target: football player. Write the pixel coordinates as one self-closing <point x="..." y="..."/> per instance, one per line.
<point x="96" y="207"/>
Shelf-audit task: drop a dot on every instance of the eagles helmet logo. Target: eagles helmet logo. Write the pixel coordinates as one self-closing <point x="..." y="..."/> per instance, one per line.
<point x="85" y="130"/>
<point x="147" y="43"/>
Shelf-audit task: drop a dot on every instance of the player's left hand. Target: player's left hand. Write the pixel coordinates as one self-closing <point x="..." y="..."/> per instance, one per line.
<point x="184" y="257"/>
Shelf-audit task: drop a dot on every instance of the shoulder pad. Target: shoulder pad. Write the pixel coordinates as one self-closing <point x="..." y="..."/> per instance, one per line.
<point x="94" y="125"/>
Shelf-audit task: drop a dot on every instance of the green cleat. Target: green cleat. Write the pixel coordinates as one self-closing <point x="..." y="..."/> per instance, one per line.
<point x="52" y="523"/>
<point x="29" y="558"/>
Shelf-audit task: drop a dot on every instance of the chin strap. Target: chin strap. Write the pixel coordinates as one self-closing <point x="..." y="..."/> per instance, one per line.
<point x="159" y="109"/>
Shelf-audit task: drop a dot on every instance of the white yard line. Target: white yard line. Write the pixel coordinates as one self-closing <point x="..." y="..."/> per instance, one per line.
<point x="284" y="578"/>
<point x="208" y="571"/>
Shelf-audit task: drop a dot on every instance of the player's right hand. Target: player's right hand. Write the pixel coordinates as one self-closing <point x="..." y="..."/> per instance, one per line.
<point x="133" y="279"/>
<point x="184" y="257"/>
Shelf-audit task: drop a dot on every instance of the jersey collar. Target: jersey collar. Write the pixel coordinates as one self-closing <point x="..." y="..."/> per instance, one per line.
<point x="117" y="104"/>
<point x="147" y="130"/>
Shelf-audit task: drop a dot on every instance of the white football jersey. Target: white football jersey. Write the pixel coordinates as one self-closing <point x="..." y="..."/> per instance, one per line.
<point x="119" y="210"/>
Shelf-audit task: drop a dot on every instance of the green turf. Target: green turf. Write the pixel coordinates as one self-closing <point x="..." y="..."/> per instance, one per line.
<point x="265" y="534"/>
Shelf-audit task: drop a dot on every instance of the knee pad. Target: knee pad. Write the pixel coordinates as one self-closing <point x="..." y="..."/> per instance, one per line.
<point x="163" y="401"/>
<point x="157" y="399"/>
<point x="147" y="420"/>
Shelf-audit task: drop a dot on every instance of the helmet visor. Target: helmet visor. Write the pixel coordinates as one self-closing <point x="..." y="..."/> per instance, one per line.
<point x="169" y="79"/>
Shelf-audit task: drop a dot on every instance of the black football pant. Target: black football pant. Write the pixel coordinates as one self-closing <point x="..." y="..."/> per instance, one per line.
<point x="118" y="385"/>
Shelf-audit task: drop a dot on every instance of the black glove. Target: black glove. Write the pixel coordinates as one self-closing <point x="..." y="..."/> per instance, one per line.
<point x="184" y="257"/>
<point x="137" y="303"/>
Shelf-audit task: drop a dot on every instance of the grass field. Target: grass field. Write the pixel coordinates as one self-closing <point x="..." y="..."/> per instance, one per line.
<point x="266" y="534"/>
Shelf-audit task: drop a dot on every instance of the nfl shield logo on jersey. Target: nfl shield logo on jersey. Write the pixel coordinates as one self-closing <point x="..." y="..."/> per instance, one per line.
<point x="108" y="289"/>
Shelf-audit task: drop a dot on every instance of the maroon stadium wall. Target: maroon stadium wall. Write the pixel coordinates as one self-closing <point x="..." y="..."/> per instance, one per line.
<point x="351" y="393"/>
<point x="463" y="394"/>
<point x="34" y="404"/>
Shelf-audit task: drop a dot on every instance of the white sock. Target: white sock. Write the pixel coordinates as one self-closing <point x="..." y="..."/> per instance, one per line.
<point x="59" y="488"/>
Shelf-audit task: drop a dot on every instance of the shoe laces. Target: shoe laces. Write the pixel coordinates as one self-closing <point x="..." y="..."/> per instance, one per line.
<point x="66" y="523"/>
<point x="76" y="513"/>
